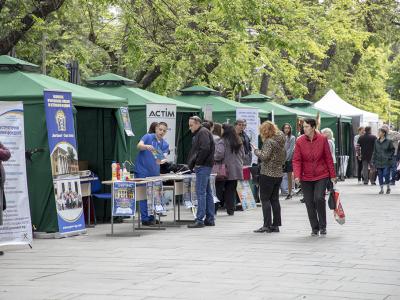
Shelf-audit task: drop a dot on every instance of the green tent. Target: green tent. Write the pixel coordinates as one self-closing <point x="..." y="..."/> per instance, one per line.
<point x="223" y="109"/>
<point x="137" y="99"/>
<point x="99" y="131"/>
<point x="282" y="114"/>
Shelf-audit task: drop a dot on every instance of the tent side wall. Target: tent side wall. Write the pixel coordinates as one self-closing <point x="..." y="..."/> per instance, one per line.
<point x="40" y="180"/>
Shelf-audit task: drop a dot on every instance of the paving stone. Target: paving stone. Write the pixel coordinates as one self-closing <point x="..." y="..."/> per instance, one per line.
<point x="359" y="260"/>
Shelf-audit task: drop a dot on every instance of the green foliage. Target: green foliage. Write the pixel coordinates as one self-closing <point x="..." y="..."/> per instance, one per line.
<point x="304" y="47"/>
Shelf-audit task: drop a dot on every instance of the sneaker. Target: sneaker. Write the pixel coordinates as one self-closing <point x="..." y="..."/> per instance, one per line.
<point x="314" y="233"/>
<point x="322" y="231"/>
<point x="196" y="225"/>
<point x="288" y="197"/>
<point x="274" y="228"/>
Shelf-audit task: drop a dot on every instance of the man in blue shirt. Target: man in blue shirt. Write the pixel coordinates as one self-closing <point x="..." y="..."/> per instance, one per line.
<point x="153" y="149"/>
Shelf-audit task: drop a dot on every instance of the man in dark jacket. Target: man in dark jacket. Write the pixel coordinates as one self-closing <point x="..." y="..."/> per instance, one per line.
<point x="367" y="143"/>
<point x="201" y="160"/>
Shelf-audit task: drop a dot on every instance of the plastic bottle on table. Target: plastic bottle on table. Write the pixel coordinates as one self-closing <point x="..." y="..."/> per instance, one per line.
<point x="118" y="172"/>
<point x="114" y="171"/>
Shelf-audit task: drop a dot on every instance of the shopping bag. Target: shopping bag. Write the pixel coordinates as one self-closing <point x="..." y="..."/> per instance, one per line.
<point x="338" y="212"/>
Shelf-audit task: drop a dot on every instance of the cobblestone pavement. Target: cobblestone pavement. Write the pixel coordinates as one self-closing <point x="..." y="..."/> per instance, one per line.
<point x="359" y="260"/>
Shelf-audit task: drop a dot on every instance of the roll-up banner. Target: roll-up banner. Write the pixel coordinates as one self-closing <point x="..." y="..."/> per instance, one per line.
<point x="164" y="113"/>
<point x="253" y="123"/>
<point x="64" y="162"/>
<point x="17" y="226"/>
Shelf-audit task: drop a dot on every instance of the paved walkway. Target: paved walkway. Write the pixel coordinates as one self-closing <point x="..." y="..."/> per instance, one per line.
<point x="359" y="260"/>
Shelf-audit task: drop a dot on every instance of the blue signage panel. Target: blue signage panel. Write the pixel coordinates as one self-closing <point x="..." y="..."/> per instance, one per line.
<point x="64" y="161"/>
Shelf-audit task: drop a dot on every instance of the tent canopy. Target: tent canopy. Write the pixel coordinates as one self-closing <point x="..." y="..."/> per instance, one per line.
<point x="97" y="130"/>
<point x="308" y="107"/>
<point x="222" y="108"/>
<point x="260" y="100"/>
<point x="332" y="103"/>
<point x="137" y="98"/>
<point x="31" y="91"/>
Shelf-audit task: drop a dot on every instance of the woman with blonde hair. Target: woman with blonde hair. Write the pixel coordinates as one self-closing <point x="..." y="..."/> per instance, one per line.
<point x="272" y="156"/>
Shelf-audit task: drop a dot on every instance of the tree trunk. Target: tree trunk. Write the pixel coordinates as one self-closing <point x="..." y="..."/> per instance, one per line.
<point x="43" y="9"/>
<point x="150" y="77"/>
<point x="324" y="66"/>
<point x="264" y="83"/>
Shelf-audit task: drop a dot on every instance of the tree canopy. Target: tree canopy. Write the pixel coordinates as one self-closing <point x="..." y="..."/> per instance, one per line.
<point x="285" y="49"/>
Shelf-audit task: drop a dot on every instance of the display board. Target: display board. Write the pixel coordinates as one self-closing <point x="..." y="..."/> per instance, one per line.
<point x="164" y="113"/>
<point x="64" y="161"/>
<point x="17" y="226"/>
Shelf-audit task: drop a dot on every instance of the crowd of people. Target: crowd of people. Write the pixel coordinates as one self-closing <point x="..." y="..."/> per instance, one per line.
<point x="377" y="156"/>
<point x="307" y="161"/>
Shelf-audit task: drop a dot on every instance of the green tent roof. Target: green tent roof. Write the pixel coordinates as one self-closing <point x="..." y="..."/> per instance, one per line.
<point x="197" y="89"/>
<point x="110" y="78"/>
<point x="308" y="107"/>
<point x="259" y="101"/>
<point x="6" y="60"/>
<point x="219" y="104"/>
<point x="29" y="86"/>
<point x="298" y="102"/>
<point x="138" y="98"/>
<point x="257" y="97"/>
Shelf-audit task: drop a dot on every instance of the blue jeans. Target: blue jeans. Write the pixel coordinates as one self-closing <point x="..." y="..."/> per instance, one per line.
<point x="144" y="213"/>
<point x="384" y="173"/>
<point x="205" y="200"/>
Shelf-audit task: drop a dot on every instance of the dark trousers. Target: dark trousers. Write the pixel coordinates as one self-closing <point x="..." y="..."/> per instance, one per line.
<point x="359" y="169"/>
<point x="269" y="194"/>
<point x="226" y="194"/>
<point x="369" y="172"/>
<point x="314" y="197"/>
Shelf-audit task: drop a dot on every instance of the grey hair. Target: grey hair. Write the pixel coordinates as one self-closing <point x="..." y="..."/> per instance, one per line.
<point x="329" y="133"/>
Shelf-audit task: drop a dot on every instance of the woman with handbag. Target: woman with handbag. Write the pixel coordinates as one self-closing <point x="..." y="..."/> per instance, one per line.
<point x="272" y="156"/>
<point x="228" y="156"/>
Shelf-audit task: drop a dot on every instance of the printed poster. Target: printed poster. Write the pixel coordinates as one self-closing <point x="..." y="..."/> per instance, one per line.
<point x="187" y="199"/>
<point x="64" y="161"/>
<point x="17" y="226"/>
<point x="164" y="113"/>
<point x="245" y="195"/>
<point x="253" y="123"/>
<point x="158" y="197"/>
<point x="126" y="121"/>
<point x="208" y="112"/>
<point x="123" y="199"/>
<point x="150" y="199"/>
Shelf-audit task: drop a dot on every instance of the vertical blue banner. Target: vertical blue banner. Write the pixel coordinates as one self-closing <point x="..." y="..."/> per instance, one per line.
<point x="64" y="161"/>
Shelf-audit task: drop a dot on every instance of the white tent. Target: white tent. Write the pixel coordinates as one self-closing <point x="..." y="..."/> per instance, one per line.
<point x="332" y="103"/>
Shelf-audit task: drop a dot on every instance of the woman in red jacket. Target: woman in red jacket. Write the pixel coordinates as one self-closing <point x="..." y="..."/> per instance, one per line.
<point x="313" y="168"/>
